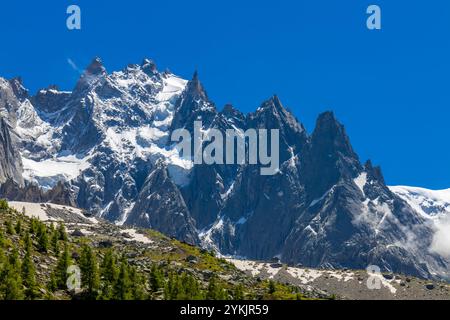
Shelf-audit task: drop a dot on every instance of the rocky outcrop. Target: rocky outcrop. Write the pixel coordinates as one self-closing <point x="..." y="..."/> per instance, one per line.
<point x="10" y="159"/>
<point x="160" y="206"/>
<point x="62" y="193"/>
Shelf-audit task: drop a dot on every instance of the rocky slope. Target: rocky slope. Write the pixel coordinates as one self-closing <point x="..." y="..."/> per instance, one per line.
<point x="349" y="284"/>
<point x="143" y="250"/>
<point x="105" y="147"/>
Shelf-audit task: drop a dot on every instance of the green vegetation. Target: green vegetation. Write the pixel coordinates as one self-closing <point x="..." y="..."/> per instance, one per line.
<point x="35" y="258"/>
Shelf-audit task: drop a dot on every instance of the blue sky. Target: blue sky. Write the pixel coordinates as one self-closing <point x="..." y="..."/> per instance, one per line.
<point x="390" y="88"/>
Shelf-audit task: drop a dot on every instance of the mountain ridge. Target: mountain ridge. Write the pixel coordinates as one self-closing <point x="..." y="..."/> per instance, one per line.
<point x="108" y="142"/>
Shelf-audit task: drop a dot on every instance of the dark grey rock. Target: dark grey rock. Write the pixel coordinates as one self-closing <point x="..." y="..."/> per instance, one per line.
<point x="77" y="233"/>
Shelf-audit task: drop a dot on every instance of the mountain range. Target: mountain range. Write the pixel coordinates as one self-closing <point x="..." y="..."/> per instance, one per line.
<point x="105" y="147"/>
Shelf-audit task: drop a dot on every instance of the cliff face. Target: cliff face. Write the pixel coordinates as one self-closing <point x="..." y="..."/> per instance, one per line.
<point x="10" y="159"/>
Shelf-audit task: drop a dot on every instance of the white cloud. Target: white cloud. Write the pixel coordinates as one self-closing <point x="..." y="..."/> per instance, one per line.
<point x="441" y="238"/>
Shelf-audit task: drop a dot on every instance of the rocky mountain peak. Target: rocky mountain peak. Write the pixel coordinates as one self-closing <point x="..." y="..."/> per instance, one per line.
<point x="149" y="67"/>
<point x="96" y="68"/>
<point x="193" y="105"/>
<point x="94" y="71"/>
<point x="331" y="137"/>
<point x="18" y="88"/>
<point x="329" y="157"/>
<point x="232" y="114"/>
<point x="272" y="105"/>
<point x="9" y="102"/>
<point x="50" y="100"/>
<point x="10" y="160"/>
<point x="195" y="88"/>
<point x="375" y="172"/>
<point x="273" y="115"/>
<point x="229" y="109"/>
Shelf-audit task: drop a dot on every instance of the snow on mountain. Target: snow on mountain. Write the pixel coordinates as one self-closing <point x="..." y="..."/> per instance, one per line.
<point x="47" y="173"/>
<point x="39" y="210"/>
<point x="131" y="109"/>
<point x="429" y="203"/>
<point x="433" y="205"/>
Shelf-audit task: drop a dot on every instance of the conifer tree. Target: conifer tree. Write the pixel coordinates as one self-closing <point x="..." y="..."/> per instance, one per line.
<point x="215" y="290"/>
<point x="18" y="227"/>
<point x="170" y="288"/>
<point x="11" y="284"/>
<point x="137" y="289"/>
<point x="123" y="284"/>
<point x="14" y="259"/>
<point x="109" y="274"/>
<point x="2" y="238"/>
<point x="34" y="227"/>
<point x="54" y="241"/>
<point x="2" y="256"/>
<point x="11" y="287"/>
<point x="63" y="264"/>
<point x="183" y="287"/>
<point x="109" y="267"/>
<point x="239" y="292"/>
<point x="3" y="204"/>
<point x="272" y="287"/>
<point x="42" y="238"/>
<point x="62" y="232"/>
<point x="9" y="227"/>
<point x="156" y="278"/>
<point x="90" y="280"/>
<point x="52" y="285"/>
<point x="190" y="288"/>
<point x="29" y="271"/>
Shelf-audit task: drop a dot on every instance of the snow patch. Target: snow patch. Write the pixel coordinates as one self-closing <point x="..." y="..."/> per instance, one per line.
<point x="49" y="172"/>
<point x="138" y="237"/>
<point x="247" y="266"/>
<point x="32" y="210"/>
<point x="305" y="276"/>
<point x="433" y="205"/>
<point x="361" y="181"/>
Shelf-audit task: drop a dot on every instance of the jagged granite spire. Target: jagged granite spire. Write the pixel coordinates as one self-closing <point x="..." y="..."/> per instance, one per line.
<point x="161" y="206"/>
<point x="329" y="158"/>
<point x="195" y="88"/>
<point x="94" y="71"/>
<point x="149" y="67"/>
<point x="18" y="88"/>
<point x="96" y="68"/>
<point x="193" y="105"/>
<point x="10" y="159"/>
<point x="234" y="116"/>
<point x="273" y="115"/>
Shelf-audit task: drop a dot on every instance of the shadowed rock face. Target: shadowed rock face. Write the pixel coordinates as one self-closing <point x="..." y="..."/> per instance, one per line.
<point x="160" y="206"/>
<point x="62" y="193"/>
<point x="10" y="160"/>
<point x="323" y="208"/>
<point x="328" y="158"/>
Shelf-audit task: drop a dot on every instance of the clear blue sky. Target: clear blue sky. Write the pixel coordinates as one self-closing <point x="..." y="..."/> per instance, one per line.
<point x="390" y="88"/>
